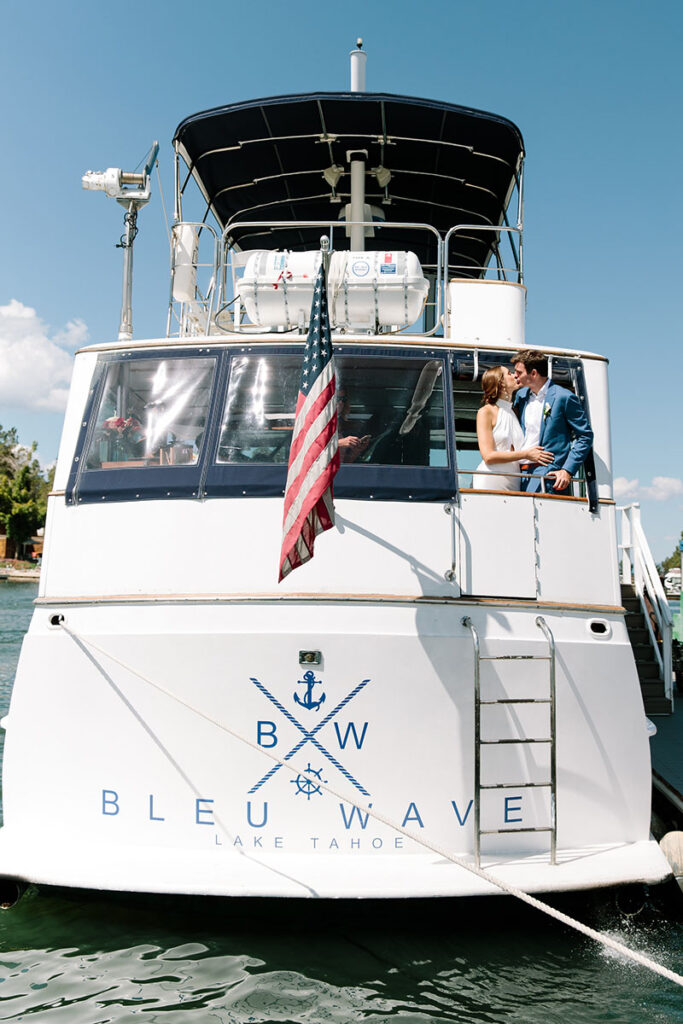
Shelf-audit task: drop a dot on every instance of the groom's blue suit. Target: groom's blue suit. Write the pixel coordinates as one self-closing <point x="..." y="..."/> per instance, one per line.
<point x="565" y="431"/>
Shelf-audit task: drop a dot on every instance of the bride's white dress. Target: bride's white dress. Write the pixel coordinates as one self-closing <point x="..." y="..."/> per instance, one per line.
<point x="507" y="435"/>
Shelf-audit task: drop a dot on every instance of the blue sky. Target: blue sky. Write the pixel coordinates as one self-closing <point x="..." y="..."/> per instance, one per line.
<point x="594" y="86"/>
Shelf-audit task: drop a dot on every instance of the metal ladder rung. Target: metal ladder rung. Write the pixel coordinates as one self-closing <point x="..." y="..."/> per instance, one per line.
<point x="490" y="743"/>
<point x="516" y="785"/>
<point x="515" y="657"/>
<point x="518" y="700"/>
<point x="503" y="831"/>
<point x="551" y="741"/>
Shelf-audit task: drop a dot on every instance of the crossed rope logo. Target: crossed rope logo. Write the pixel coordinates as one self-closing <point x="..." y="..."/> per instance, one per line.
<point x="311" y="736"/>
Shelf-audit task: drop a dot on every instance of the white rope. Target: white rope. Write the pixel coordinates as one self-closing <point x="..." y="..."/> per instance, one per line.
<point x="163" y="201"/>
<point x="486" y="876"/>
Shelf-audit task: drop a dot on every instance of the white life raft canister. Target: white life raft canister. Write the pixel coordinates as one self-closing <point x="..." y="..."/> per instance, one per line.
<point x="365" y="289"/>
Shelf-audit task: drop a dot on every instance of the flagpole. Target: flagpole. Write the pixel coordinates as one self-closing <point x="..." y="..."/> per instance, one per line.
<point x="325" y="253"/>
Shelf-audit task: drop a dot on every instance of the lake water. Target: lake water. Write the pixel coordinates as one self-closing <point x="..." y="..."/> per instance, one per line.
<point x="83" y="958"/>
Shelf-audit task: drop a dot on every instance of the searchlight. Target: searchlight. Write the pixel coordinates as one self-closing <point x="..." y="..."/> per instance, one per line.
<point x="133" y="191"/>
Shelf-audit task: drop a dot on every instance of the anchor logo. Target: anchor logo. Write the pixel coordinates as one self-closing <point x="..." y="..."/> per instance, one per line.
<point x="310" y="736"/>
<point x="309" y="681"/>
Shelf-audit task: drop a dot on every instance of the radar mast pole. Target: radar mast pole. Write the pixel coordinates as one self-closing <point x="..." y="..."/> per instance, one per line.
<point x="133" y="191"/>
<point x="357" y="158"/>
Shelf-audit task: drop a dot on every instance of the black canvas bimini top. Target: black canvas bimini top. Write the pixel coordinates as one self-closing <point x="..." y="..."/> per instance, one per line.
<point x="264" y="160"/>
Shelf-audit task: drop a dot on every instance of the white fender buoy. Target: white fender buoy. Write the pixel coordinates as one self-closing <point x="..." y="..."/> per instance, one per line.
<point x="672" y="847"/>
<point x="185" y="244"/>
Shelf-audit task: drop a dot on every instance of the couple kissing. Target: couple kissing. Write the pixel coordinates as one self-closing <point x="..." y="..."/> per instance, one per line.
<point x="529" y="428"/>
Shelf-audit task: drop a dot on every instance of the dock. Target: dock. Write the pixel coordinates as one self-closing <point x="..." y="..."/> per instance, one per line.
<point x="20" y="575"/>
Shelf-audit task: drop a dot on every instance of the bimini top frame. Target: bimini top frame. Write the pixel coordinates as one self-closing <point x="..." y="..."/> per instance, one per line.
<point x="288" y="158"/>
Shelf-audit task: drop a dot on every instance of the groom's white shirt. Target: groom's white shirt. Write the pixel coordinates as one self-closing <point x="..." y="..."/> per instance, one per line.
<point x="533" y="414"/>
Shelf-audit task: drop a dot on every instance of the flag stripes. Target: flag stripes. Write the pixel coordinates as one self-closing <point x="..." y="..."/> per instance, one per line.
<point x="313" y="455"/>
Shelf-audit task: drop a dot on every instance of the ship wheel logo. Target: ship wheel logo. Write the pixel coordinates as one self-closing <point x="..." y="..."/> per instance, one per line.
<point x="306" y="782"/>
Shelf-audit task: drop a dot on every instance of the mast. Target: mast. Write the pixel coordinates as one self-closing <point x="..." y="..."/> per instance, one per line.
<point x="357" y="157"/>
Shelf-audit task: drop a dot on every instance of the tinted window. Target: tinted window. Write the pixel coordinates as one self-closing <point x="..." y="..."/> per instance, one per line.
<point x="152" y="413"/>
<point x="394" y="406"/>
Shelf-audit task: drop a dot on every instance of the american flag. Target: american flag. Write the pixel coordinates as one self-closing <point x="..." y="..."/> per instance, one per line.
<point x="313" y="456"/>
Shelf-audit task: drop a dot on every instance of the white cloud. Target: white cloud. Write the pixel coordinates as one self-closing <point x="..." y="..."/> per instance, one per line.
<point x="662" y="488"/>
<point x="73" y="336"/>
<point x="35" y="363"/>
<point x="624" y="488"/>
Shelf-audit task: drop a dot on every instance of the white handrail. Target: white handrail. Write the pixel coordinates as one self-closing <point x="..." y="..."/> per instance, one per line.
<point x="638" y="570"/>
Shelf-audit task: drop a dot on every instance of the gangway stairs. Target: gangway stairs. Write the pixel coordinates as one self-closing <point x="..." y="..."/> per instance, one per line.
<point x="551" y="740"/>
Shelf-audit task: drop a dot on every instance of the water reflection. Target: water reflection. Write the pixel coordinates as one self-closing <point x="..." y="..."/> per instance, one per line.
<point x="16" y="607"/>
<point x="90" y="959"/>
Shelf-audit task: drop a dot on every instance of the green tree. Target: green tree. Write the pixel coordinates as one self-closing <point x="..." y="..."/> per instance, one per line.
<point x="21" y="510"/>
<point x="9" y="442"/>
<point x="673" y="561"/>
<point x="23" y="488"/>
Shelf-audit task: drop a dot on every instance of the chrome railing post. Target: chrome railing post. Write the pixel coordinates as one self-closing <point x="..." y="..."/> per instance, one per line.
<point x="626" y="546"/>
<point x="636" y="552"/>
<point x="452" y="574"/>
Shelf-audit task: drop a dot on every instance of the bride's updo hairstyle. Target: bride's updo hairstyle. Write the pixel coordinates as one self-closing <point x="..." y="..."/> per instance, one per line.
<point x="492" y="385"/>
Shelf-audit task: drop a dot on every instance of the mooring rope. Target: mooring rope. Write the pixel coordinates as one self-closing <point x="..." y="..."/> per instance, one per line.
<point x="511" y="890"/>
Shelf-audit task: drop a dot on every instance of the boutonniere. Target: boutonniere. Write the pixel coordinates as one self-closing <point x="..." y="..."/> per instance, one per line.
<point x="546" y="410"/>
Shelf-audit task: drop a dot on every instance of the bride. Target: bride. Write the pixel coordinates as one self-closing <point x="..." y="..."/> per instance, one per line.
<point x="501" y="437"/>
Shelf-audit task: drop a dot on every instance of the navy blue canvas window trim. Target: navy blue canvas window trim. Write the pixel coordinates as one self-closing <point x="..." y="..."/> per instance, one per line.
<point x="209" y="478"/>
<point x="101" y="476"/>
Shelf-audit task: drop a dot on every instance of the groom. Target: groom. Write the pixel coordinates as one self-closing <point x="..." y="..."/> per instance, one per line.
<point x="551" y="417"/>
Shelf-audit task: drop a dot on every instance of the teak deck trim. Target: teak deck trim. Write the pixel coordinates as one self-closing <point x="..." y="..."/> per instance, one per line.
<point x="273" y="598"/>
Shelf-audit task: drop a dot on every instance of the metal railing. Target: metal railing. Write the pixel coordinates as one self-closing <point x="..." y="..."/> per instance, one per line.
<point x="639" y="571"/>
<point x="514" y="274"/>
<point x="329" y="228"/>
<point x="193" y="315"/>
<point x="204" y="311"/>
<point x="546" y="488"/>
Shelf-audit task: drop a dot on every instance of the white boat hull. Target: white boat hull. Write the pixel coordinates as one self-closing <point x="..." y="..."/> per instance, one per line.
<point x="171" y="714"/>
<point x="259" y="872"/>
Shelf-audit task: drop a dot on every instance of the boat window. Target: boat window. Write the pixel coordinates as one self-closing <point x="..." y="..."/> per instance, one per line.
<point x="468" y="369"/>
<point x="194" y="424"/>
<point x="152" y="413"/>
<point x="394" y="406"/>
